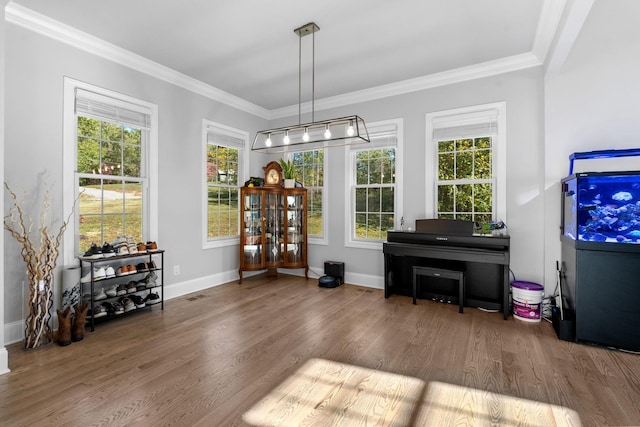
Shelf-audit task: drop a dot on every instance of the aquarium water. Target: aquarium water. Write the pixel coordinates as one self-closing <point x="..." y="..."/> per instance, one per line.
<point x="603" y="208"/>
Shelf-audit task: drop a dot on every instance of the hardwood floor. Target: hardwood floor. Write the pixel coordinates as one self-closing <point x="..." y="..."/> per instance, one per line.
<point x="210" y="357"/>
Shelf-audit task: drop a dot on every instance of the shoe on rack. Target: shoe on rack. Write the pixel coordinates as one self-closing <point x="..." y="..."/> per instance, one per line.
<point x="96" y="273"/>
<point x="150" y="280"/>
<point x="122" y="289"/>
<point x="117" y="308"/>
<point x="119" y="240"/>
<point x="141" y="247"/>
<point x="94" y="252"/>
<point x="138" y="301"/>
<point x="123" y="270"/>
<point x="99" y="273"/>
<point x="152" y="265"/>
<point x="152" y="246"/>
<point x="132" y="269"/>
<point x="141" y="286"/>
<point x="109" y="308"/>
<point x="107" y="250"/>
<point x="109" y="272"/>
<point x="131" y="287"/>
<point x="127" y="304"/>
<point x="152" y="298"/>
<point x="142" y="267"/>
<point x="99" y="295"/>
<point x="111" y="291"/>
<point x="98" y="311"/>
<point x="121" y="249"/>
<point x="131" y="244"/>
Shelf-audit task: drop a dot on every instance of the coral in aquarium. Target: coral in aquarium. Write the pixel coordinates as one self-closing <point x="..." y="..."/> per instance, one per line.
<point x="609" y="220"/>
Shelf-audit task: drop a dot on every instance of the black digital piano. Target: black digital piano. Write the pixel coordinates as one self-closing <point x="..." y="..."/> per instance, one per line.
<point x="451" y="245"/>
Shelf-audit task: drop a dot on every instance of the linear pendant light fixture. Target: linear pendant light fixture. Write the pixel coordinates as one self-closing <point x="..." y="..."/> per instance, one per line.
<point x="315" y="134"/>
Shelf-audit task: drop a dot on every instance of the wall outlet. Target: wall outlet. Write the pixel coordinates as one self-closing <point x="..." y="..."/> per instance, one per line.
<point x="176" y="270"/>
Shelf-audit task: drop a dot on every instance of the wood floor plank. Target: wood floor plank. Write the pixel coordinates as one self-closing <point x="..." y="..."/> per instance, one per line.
<point x="209" y="357"/>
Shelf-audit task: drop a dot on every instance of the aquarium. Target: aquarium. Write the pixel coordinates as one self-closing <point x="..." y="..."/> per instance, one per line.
<point x="602" y="207"/>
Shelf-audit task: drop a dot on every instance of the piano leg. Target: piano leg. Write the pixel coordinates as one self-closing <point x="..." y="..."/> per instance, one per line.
<point x="505" y="291"/>
<point x="387" y="278"/>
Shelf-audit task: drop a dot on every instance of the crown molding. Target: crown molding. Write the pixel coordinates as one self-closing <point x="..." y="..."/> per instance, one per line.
<point x="568" y="34"/>
<point x="458" y="75"/>
<point x="548" y="23"/>
<point x="31" y="20"/>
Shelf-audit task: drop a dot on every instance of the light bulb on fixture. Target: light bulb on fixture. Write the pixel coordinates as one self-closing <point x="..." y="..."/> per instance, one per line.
<point x="268" y="141"/>
<point x="305" y="135"/>
<point x="327" y="132"/>
<point x="350" y="130"/>
<point x="286" y="139"/>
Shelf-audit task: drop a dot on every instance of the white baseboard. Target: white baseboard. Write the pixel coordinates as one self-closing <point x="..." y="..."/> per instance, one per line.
<point x="183" y="288"/>
<point x="366" y="280"/>
<point x="4" y="361"/>
<point x="13" y="332"/>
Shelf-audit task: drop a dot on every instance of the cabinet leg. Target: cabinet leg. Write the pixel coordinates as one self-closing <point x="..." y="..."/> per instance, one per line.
<point x="306" y="272"/>
<point x="240" y="273"/>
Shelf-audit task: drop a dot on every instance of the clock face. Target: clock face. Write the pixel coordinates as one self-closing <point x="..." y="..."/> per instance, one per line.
<point x="273" y="177"/>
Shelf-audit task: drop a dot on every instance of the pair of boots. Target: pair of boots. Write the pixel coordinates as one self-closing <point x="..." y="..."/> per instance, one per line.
<point x="68" y="333"/>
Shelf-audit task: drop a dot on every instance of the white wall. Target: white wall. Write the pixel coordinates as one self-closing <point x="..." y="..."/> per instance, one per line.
<point x="593" y="103"/>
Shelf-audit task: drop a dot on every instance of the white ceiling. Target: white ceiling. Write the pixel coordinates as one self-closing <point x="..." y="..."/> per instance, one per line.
<point x="247" y="48"/>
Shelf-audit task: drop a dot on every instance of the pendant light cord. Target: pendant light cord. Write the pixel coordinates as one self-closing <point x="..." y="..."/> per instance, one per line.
<point x="313" y="76"/>
<point x="299" y="80"/>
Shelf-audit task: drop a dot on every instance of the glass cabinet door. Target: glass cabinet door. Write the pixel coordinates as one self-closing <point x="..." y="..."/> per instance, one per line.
<point x="295" y="244"/>
<point x="274" y="227"/>
<point x="252" y="223"/>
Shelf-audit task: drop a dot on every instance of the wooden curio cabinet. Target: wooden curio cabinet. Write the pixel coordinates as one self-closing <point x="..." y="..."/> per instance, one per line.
<point x="273" y="229"/>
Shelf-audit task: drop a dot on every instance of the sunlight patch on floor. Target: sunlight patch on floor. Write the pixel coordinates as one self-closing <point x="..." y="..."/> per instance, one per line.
<point x="327" y="393"/>
<point x="448" y="404"/>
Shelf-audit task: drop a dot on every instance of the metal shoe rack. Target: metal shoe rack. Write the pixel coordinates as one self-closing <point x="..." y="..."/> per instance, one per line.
<point x="115" y="262"/>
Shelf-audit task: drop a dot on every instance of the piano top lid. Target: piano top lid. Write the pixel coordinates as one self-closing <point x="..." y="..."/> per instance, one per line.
<point x="421" y="238"/>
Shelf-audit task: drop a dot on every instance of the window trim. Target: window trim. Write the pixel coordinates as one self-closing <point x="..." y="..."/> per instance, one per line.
<point x="243" y="165"/>
<point x="477" y="114"/>
<point x="69" y="154"/>
<point x="349" y="202"/>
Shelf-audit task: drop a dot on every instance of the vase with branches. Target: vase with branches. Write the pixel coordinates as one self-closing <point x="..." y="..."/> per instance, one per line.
<point x="40" y="253"/>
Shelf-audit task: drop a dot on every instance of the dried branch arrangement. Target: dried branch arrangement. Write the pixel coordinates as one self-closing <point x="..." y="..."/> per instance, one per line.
<point x="41" y="260"/>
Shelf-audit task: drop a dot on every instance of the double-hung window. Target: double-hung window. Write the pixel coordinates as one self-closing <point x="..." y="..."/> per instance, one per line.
<point x="224" y="157"/>
<point x="467" y="149"/>
<point x="109" y="138"/>
<point x="374" y="185"/>
<point x="309" y="169"/>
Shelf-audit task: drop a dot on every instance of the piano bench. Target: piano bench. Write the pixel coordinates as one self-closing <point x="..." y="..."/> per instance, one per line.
<point x="443" y="274"/>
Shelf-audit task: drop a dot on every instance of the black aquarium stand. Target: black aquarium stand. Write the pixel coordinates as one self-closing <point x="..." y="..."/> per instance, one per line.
<point x="603" y="289"/>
